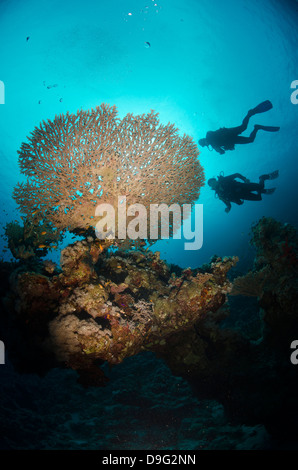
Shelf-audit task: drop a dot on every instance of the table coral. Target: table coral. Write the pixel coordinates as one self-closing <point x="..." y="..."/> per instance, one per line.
<point x="77" y="161"/>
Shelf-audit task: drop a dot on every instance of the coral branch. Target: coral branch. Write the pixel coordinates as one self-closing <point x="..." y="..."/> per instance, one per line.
<point x="78" y="160"/>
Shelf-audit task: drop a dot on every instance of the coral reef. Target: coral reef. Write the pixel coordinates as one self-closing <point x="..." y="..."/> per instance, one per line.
<point x="274" y="279"/>
<point x="106" y="302"/>
<point x="251" y="375"/>
<point x="32" y="239"/>
<point x="106" y="306"/>
<point x="77" y="161"/>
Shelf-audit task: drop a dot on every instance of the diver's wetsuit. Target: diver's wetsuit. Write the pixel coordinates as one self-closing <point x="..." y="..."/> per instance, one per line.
<point x="229" y="190"/>
<point x="225" y="138"/>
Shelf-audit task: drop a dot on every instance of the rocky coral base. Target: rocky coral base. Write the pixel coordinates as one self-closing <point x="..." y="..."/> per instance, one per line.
<point x="245" y="363"/>
<point x="107" y="305"/>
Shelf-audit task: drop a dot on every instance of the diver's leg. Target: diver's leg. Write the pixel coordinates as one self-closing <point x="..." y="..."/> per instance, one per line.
<point x="239" y="129"/>
<point x="253" y="134"/>
<point x="249" y="187"/>
<point x="252" y="196"/>
<point x="267" y="128"/>
<point x="262" y="179"/>
<point x="244" y="124"/>
<point x="268" y="191"/>
<point x="250" y="113"/>
<point x="261" y="108"/>
<point x="246" y="140"/>
<point x="248" y="190"/>
<point x="251" y="138"/>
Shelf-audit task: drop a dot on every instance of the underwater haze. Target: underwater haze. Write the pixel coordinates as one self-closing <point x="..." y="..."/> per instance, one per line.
<point x="202" y="65"/>
<point x="208" y="63"/>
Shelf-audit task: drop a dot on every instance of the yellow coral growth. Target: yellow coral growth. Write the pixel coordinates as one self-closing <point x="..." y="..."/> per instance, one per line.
<point x="77" y="161"/>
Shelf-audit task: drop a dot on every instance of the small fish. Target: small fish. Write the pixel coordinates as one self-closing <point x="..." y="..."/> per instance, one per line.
<point x="43" y="233"/>
<point x="147" y="44"/>
<point x="60" y="100"/>
<point x="120" y="267"/>
<point x="35" y="212"/>
<point x="27" y="38"/>
<point x="42" y="246"/>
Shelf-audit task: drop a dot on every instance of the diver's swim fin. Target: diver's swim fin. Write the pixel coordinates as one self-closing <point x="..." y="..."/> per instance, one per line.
<point x="261" y="108"/>
<point x="269" y="176"/>
<point x="273" y="175"/>
<point x="268" y="191"/>
<point x="267" y="128"/>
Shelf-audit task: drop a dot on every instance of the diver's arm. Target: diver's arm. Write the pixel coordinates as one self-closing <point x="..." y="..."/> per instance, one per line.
<point x="219" y="150"/>
<point x="238" y="175"/>
<point x="228" y="204"/>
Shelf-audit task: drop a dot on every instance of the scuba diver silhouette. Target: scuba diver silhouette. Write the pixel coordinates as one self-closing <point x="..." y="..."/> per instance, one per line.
<point x="228" y="190"/>
<point x="225" y="138"/>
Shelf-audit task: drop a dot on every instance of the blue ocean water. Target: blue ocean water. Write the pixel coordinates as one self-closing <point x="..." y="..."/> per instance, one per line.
<point x="208" y="63"/>
<point x="201" y="64"/>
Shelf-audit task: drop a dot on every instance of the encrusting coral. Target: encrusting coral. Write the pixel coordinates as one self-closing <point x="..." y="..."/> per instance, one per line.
<point x="77" y="161"/>
<point x="107" y="305"/>
<point x="274" y="282"/>
<point x="274" y="278"/>
<point x="253" y="377"/>
<point x="32" y="239"/>
<point x="114" y="305"/>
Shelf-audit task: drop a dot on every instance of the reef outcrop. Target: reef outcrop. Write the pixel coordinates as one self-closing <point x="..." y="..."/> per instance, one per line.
<point x="106" y="305"/>
<point x="242" y="357"/>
